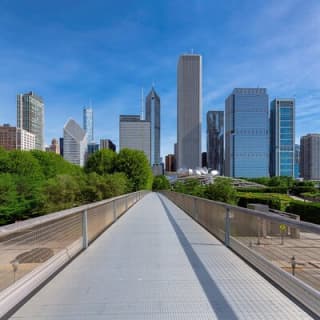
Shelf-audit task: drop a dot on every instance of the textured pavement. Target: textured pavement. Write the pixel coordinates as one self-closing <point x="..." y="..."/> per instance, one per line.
<point x="157" y="263"/>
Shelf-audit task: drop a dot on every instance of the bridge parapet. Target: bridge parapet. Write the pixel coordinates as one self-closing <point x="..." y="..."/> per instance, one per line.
<point x="289" y="255"/>
<point x="33" y="250"/>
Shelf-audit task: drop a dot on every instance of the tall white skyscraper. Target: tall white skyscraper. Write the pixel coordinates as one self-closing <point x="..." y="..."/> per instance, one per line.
<point x="88" y="123"/>
<point x="135" y="134"/>
<point x="74" y="143"/>
<point x="30" y="116"/>
<point x="189" y="100"/>
<point x="153" y="116"/>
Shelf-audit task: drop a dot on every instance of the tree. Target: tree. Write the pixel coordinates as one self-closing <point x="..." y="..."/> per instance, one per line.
<point x="136" y="167"/>
<point x="61" y="192"/>
<point x="52" y="164"/>
<point x="101" y="162"/>
<point x="189" y="186"/>
<point x="160" y="183"/>
<point x="221" y="190"/>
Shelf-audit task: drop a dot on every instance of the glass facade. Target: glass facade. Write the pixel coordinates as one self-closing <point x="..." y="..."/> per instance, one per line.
<point x="282" y="138"/>
<point x="88" y="123"/>
<point x="153" y="116"/>
<point x="30" y="116"/>
<point x="215" y="140"/>
<point x="247" y="133"/>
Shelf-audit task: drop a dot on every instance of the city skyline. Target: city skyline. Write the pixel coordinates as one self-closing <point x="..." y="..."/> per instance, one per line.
<point x="233" y="39"/>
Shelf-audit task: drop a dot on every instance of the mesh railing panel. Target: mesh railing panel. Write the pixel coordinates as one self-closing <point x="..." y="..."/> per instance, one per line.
<point x="285" y="246"/>
<point x="23" y="251"/>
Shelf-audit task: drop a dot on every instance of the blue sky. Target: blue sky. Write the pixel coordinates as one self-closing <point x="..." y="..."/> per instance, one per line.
<point x="73" y="52"/>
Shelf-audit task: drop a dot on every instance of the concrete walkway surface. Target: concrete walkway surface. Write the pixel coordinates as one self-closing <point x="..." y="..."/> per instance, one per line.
<point x="155" y="262"/>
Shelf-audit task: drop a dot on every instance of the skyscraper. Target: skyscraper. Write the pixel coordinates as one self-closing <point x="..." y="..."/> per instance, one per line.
<point x="107" y="144"/>
<point x="88" y="123"/>
<point x="215" y="140"/>
<point x="247" y="133"/>
<point x="297" y="161"/>
<point x="189" y="100"/>
<point x="12" y="138"/>
<point x="30" y="116"/>
<point x="135" y="134"/>
<point x="282" y="137"/>
<point x="54" y="147"/>
<point x="310" y="156"/>
<point x="74" y="143"/>
<point x="153" y="116"/>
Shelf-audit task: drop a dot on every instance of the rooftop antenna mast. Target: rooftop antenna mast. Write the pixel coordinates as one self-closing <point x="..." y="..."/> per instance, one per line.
<point x="142" y="106"/>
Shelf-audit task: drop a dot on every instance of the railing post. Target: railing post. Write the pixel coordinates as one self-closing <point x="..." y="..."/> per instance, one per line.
<point x="114" y="210"/>
<point x="126" y="203"/>
<point x="227" y="228"/>
<point x="195" y="216"/>
<point x="85" y="229"/>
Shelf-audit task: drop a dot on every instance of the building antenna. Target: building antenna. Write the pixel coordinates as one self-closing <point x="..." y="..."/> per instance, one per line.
<point x="142" y="113"/>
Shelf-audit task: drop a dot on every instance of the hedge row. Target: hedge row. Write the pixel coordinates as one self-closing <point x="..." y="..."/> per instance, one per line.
<point x="274" y="201"/>
<point x="281" y="190"/>
<point x="308" y="211"/>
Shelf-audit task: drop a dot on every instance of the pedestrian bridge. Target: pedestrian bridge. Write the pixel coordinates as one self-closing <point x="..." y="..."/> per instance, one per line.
<point x="155" y="262"/>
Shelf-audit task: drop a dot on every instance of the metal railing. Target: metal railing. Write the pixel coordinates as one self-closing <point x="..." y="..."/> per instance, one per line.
<point x="34" y="249"/>
<point x="285" y="249"/>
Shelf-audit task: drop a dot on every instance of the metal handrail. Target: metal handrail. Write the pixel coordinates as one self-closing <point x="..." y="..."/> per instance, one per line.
<point x="32" y="222"/>
<point x="307" y="226"/>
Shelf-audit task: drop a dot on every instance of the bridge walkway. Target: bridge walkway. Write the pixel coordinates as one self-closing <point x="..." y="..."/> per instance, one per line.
<point x="155" y="262"/>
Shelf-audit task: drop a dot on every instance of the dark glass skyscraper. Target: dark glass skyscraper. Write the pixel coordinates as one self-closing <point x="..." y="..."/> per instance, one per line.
<point x="282" y="137"/>
<point x="215" y="140"/>
<point x="247" y="133"/>
<point x="153" y="116"/>
<point x="310" y="156"/>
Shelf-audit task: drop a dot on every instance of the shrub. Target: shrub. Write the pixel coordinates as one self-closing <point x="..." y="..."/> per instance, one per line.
<point x="308" y="211"/>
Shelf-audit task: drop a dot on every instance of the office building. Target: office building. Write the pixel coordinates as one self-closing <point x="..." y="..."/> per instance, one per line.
<point x="54" y="147"/>
<point x="170" y="163"/>
<point x="215" y="140"/>
<point x="282" y="137"/>
<point x="310" y="156"/>
<point x="88" y="123"/>
<point x="30" y="116"/>
<point x="158" y="169"/>
<point x="92" y="148"/>
<point x="247" y="133"/>
<point x="107" y="144"/>
<point x="135" y="134"/>
<point x="152" y="114"/>
<point x="204" y="162"/>
<point x="189" y="101"/>
<point x="297" y="161"/>
<point x="61" y="146"/>
<point x="74" y="143"/>
<point x="12" y="138"/>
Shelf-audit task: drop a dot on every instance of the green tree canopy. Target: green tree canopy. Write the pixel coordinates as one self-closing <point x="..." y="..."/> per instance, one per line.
<point x="160" y="183"/>
<point x="53" y="164"/>
<point x="136" y="166"/>
<point x="221" y="190"/>
<point x="101" y="162"/>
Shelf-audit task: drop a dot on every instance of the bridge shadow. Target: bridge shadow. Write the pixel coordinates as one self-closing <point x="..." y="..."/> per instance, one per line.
<point x="218" y="302"/>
